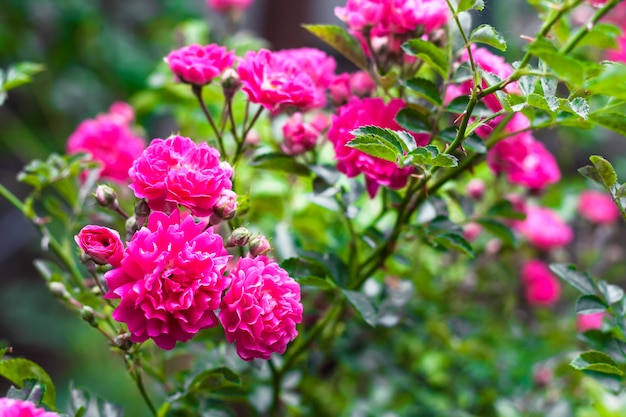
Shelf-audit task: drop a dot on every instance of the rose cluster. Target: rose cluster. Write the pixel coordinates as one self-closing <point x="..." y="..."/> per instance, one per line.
<point x="172" y="276"/>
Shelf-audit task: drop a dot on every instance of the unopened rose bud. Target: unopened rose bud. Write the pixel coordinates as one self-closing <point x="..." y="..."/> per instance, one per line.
<point x="106" y="197"/>
<point x="475" y="189"/>
<point x="87" y="314"/>
<point x="131" y="228"/>
<point x="226" y="206"/>
<point x="258" y="246"/>
<point x="239" y="237"/>
<point x="142" y="211"/>
<point x="123" y="341"/>
<point x="542" y="376"/>
<point x="471" y="231"/>
<point x="361" y="84"/>
<point x="58" y="289"/>
<point x="231" y="83"/>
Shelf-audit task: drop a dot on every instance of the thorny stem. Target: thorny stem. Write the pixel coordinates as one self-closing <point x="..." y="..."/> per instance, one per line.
<point x="197" y="91"/>
<point x="464" y="36"/>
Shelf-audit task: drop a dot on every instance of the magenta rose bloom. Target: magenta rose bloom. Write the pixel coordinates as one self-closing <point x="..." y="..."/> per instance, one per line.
<point x="362" y="14"/>
<point x="10" y="407"/>
<point x="598" y="207"/>
<point x="544" y="228"/>
<point x="102" y="244"/>
<point x="299" y="135"/>
<point x="170" y="281"/>
<point x="541" y="287"/>
<point x="109" y="141"/>
<point x="586" y="322"/>
<point x="227" y="5"/>
<point x="199" y="65"/>
<point x="176" y="170"/>
<point x="407" y="15"/>
<point x="352" y="162"/>
<point x="276" y="81"/>
<point x="261" y="309"/>
<point x="317" y="64"/>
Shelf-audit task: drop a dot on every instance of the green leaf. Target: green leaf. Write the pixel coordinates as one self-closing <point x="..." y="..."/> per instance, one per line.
<point x="304" y="267"/>
<point x="317" y="282"/>
<point x="18" y="370"/>
<point x="580" y="106"/>
<point x="504" y="208"/>
<point x="568" y="69"/>
<point x="376" y="147"/>
<point x="489" y="36"/>
<point x="601" y="35"/>
<point x="20" y="74"/>
<point x="605" y="170"/>
<point x="492" y="79"/>
<point x="429" y="53"/>
<point x="499" y="230"/>
<point x="611" y="293"/>
<point x="425" y="89"/>
<point x="611" y="81"/>
<point x="582" y="282"/>
<point x="213" y="379"/>
<point x="527" y="84"/>
<point x="342" y="41"/>
<point x="363" y="305"/>
<point x="81" y="401"/>
<point x="589" y="304"/>
<point x="279" y="162"/>
<point x="612" y="121"/>
<point x="591" y="172"/>
<point x="400" y="140"/>
<point x="596" y="361"/>
<point x="413" y="120"/>
<point x="456" y="242"/>
<point x="32" y="391"/>
<point x="470" y="5"/>
<point x="429" y="155"/>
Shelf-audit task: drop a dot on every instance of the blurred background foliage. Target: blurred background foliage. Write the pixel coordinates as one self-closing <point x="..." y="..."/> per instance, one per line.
<point x="97" y="52"/>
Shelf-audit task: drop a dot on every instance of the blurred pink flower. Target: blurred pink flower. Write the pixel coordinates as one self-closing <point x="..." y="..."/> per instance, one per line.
<point x="299" y="136"/>
<point x="170" y="280"/>
<point x="347" y="85"/>
<point x="261" y="309"/>
<point x="352" y="162"/>
<point x="199" y="65"/>
<point x="523" y="159"/>
<point x="586" y="322"/>
<point x="540" y="285"/>
<point x="176" y="170"/>
<point x="597" y="207"/>
<point x="277" y="82"/>
<point x="471" y="231"/>
<point x="227" y="5"/>
<point x="362" y="14"/>
<point x="619" y="54"/>
<point x="103" y="245"/>
<point x="544" y="228"/>
<point x="317" y="64"/>
<point x="109" y="140"/>
<point x="10" y="407"/>
<point x="340" y="90"/>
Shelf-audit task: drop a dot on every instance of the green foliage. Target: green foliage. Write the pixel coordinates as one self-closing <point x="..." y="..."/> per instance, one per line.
<point x="19" y="371"/>
<point x="487" y="35"/>
<point x="342" y="41"/>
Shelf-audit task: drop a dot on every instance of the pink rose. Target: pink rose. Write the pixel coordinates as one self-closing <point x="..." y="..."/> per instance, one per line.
<point x="170" y="280"/>
<point x="261" y="309"/>
<point x="352" y="162"/>
<point x="199" y="65"/>
<point x="103" y="245"/>
<point x="225" y="207"/>
<point x="361" y="84"/>
<point x="178" y="171"/>
<point x="10" y="407"/>
<point x="340" y="90"/>
<point x="300" y="136"/>
<point x="541" y="287"/>
<point x="227" y="5"/>
<point x="361" y="14"/>
<point x="277" y="81"/>
<point x="317" y="64"/>
<point x="408" y="15"/>
<point x="109" y="141"/>
<point x="586" y="322"/>
<point x="619" y="54"/>
<point x="597" y="207"/>
<point x="544" y="228"/>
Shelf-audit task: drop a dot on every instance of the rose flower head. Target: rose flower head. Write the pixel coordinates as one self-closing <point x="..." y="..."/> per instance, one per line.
<point x="101" y="244"/>
<point x="276" y="81"/>
<point x="300" y="136"/>
<point x="544" y="228"/>
<point x="261" y="309"/>
<point x="109" y="141"/>
<point x="352" y="162"/>
<point x="540" y="285"/>
<point x="597" y="207"/>
<point x="586" y="322"/>
<point x="10" y="407"/>
<point x="228" y="5"/>
<point x="178" y="171"/>
<point x="170" y="280"/>
<point x="199" y="65"/>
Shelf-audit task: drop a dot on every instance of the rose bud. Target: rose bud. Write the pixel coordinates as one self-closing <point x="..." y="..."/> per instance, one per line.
<point x="239" y="237"/>
<point x="231" y="83"/>
<point x="475" y="189"/>
<point x="101" y="244"/>
<point x="226" y="206"/>
<point x="258" y="246"/>
<point x="106" y="197"/>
